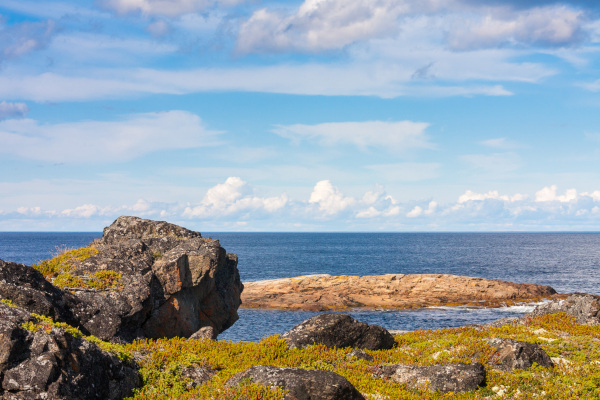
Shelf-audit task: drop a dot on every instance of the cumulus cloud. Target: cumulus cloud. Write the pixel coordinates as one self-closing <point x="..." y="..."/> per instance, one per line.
<point x="550" y="25"/>
<point x="418" y="210"/>
<point x="549" y="194"/>
<point x="236" y="204"/>
<point x="11" y="110"/>
<point x="329" y="198"/>
<point x="20" y="39"/>
<point x="234" y="196"/>
<point x="105" y="141"/>
<point x="167" y="8"/>
<point x="396" y="136"/>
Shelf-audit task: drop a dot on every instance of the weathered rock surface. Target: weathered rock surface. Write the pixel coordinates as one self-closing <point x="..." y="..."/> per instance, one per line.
<point x="443" y="378"/>
<point x="173" y="283"/>
<point x="52" y="364"/>
<point x="27" y="288"/>
<point x="514" y="354"/>
<point x="325" y="292"/>
<point x="196" y="375"/>
<point x="361" y="355"/>
<point x="337" y="331"/>
<point x="302" y="384"/>
<point x="585" y="307"/>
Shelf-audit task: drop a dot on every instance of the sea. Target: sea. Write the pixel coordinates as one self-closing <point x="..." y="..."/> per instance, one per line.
<point x="569" y="262"/>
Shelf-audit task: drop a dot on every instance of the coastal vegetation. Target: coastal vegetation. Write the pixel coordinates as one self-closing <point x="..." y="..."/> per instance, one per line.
<point x="574" y="348"/>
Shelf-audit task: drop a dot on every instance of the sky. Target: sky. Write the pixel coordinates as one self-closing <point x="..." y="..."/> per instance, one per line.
<point x="315" y="115"/>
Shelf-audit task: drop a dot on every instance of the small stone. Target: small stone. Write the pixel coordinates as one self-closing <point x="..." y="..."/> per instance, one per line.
<point x="361" y="354"/>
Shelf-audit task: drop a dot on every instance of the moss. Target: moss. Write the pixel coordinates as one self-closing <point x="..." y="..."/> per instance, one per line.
<point x="7" y="302"/>
<point x="64" y="261"/>
<point x="60" y="270"/>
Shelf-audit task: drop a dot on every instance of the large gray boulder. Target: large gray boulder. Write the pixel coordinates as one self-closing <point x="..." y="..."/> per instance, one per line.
<point x="457" y="377"/>
<point x="46" y="362"/>
<point x="172" y="282"/>
<point x="301" y="384"/>
<point x="514" y="354"/>
<point x="338" y="331"/>
<point x="585" y="307"/>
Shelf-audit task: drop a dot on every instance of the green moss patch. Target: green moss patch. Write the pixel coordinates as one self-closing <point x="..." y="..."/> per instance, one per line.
<point x="60" y="270"/>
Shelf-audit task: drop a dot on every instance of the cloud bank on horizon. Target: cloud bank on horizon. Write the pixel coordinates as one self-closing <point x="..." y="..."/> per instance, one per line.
<point x="395" y="115"/>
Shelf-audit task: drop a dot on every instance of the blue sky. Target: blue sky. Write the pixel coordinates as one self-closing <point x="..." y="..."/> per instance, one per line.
<point x="316" y="115"/>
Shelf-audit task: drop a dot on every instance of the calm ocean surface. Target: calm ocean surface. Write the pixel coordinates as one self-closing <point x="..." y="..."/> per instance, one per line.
<point x="569" y="262"/>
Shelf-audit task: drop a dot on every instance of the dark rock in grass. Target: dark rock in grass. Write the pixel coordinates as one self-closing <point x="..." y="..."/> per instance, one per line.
<point x="436" y="378"/>
<point x="301" y="384"/>
<point x="50" y="363"/>
<point x="337" y="331"/>
<point x="172" y="282"/>
<point x="361" y="354"/>
<point x="196" y="375"/>
<point x="511" y="354"/>
<point x="585" y="307"/>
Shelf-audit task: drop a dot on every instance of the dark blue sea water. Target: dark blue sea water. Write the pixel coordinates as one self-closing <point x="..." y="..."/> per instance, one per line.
<point x="569" y="262"/>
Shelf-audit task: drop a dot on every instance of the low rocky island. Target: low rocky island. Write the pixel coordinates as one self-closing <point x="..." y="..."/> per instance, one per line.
<point x="136" y="315"/>
<point x="327" y="292"/>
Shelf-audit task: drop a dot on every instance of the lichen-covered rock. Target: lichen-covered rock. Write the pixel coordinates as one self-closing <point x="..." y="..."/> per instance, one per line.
<point x="337" y="331"/>
<point x="196" y="375"/>
<point x="457" y="377"/>
<point x="585" y="307"/>
<point x="301" y="384"/>
<point x="171" y="282"/>
<point x="361" y="355"/>
<point x="27" y="288"/>
<point x="512" y="354"/>
<point x="50" y="363"/>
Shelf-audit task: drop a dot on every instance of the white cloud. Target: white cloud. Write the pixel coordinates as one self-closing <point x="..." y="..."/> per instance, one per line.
<point x="320" y="25"/>
<point x="550" y="25"/>
<point x="492" y="194"/>
<point x="10" y="110"/>
<point x="167" y="8"/>
<point x="234" y="204"/>
<point x="418" y="210"/>
<point x="104" y="141"/>
<point x="395" y="136"/>
<point x="548" y="193"/>
<point x="329" y="198"/>
<point x="233" y="197"/>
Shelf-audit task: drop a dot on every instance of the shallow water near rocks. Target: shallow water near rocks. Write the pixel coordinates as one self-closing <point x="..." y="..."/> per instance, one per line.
<point x="566" y="261"/>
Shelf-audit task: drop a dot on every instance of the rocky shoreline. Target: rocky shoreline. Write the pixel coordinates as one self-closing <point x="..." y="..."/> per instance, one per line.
<point x="327" y="292"/>
<point x="111" y="320"/>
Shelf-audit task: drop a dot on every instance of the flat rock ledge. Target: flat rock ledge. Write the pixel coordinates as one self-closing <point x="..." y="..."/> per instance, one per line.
<point x="327" y="292"/>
